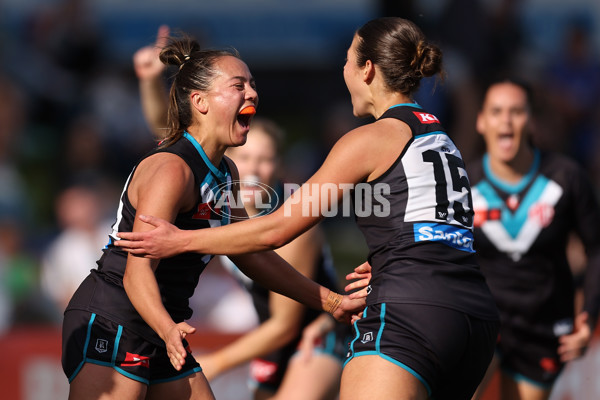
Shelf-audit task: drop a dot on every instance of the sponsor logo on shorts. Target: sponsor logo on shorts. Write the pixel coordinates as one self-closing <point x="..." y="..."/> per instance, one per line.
<point x="101" y="345"/>
<point x="263" y="371"/>
<point x="367" y="337"/>
<point x="132" y="360"/>
<point x="549" y="365"/>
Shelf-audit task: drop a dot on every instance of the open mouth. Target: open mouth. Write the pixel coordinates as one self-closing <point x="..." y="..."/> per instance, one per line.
<point x="506" y="140"/>
<point x="245" y="116"/>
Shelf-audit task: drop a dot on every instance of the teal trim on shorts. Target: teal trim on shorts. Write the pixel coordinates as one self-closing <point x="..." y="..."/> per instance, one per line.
<point x="85" y="347"/>
<point x="110" y="364"/>
<point x="517" y="377"/>
<point x="129" y="375"/>
<point x="356" y="338"/>
<point x="116" y="346"/>
<point x="113" y="363"/>
<point x="180" y="376"/>
<point x="378" y="352"/>
<point x="119" y="370"/>
<point x="380" y="333"/>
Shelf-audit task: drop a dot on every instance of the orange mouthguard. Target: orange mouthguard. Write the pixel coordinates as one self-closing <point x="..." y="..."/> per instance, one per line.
<point x="250" y="110"/>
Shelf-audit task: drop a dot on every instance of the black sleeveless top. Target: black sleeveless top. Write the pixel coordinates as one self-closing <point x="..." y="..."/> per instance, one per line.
<point x="103" y="293"/>
<point x="419" y="230"/>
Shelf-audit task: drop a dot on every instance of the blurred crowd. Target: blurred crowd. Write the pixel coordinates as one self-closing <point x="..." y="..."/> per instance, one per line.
<point x="71" y="127"/>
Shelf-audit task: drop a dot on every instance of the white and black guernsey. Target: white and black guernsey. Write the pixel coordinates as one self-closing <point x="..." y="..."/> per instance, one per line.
<point x="103" y="293"/>
<point x="420" y="240"/>
<point x="522" y="230"/>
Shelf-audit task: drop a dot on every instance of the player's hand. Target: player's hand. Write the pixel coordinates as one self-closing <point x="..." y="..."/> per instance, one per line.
<point x="573" y="345"/>
<point x="146" y="62"/>
<point x="174" y="342"/>
<point x="362" y="274"/>
<point x="161" y="242"/>
<point x="349" y="308"/>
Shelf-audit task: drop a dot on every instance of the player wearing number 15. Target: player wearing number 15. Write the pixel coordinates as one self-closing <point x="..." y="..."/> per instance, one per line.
<point x="430" y="324"/>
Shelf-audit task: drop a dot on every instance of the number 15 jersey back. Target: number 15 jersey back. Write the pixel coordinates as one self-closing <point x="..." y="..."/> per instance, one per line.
<point x="421" y="249"/>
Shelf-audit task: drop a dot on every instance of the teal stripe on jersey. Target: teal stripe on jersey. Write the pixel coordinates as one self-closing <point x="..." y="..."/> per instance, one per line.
<point x="405" y="105"/>
<point x="513" y="222"/>
<point x="431" y="133"/>
<point x="220" y="175"/>
<point x="507" y="187"/>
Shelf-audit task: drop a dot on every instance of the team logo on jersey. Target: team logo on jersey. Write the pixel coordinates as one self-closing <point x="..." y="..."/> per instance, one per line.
<point x="543" y="213"/>
<point x="513" y="202"/>
<point x="132" y="360"/>
<point x="426" y="118"/>
<point x="101" y="345"/>
<point x="204" y="211"/>
<point x="367" y="337"/>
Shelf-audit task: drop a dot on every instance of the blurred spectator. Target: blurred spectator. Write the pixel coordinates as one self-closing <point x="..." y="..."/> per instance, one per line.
<point x="70" y="256"/>
<point x="62" y="48"/>
<point x="19" y="270"/>
<point x="573" y="84"/>
<point x="84" y="149"/>
<point x="12" y="120"/>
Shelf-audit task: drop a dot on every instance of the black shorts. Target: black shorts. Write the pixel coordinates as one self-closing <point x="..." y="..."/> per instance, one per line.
<point x="267" y="372"/>
<point x="91" y="338"/>
<point x="448" y="351"/>
<point x="529" y="352"/>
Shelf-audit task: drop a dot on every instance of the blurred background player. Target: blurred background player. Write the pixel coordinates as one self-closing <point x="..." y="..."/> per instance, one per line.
<point x="527" y="203"/>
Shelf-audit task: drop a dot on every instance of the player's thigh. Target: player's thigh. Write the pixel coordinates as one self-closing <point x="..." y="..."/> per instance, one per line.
<point x="192" y="387"/>
<point x="315" y="378"/>
<point x="262" y="394"/>
<point x="103" y="383"/>
<point x="521" y="390"/>
<point x="489" y="375"/>
<point x="372" y="377"/>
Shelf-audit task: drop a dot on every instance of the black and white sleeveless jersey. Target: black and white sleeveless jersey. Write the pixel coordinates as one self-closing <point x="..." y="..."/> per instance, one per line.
<point x="103" y="293"/>
<point x="521" y="234"/>
<point x="420" y="236"/>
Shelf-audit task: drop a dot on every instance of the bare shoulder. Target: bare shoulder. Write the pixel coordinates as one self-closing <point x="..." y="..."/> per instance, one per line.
<point x="164" y="165"/>
<point x="378" y="135"/>
<point x="165" y="176"/>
